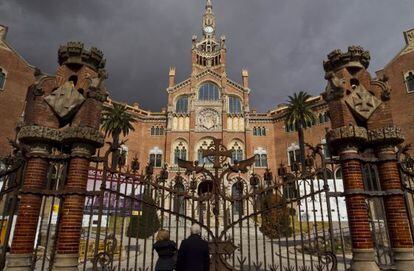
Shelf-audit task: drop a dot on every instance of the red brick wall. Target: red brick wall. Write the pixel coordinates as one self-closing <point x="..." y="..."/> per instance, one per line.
<point x="19" y="76"/>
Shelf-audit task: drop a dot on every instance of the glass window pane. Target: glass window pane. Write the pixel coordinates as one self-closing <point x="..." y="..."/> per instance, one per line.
<point x="264" y="160"/>
<point x="158" y="160"/>
<point x="152" y="159"/>
<point x="410" y="81"/>
<point x="2" y="79"/>
<point x="208" y="92"/>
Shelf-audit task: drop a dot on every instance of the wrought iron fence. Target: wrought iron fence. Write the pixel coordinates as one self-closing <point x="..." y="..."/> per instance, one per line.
<point x="296" y="220"/>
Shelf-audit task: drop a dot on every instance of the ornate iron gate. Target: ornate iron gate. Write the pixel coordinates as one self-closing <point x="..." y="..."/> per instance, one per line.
<point x="296" y="220"/>
<point x="252" y="222"/>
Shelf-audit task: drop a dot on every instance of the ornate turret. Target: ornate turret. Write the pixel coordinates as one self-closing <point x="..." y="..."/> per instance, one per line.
<point x="356" y="56"/>
<point x="75" y="53"/>
<point x="209" y="52"/>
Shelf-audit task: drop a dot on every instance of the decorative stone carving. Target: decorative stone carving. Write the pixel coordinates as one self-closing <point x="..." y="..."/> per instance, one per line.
<point x="335" y="88"/>
<point x="346" y="134"/>
<point x="83" y="134"/>
<point x="392" y="135"/>
<point x="38" y="133"/>
<point x="362" y="102"/>
<point x="208" y="120"/>
<point x="65" y="100"/>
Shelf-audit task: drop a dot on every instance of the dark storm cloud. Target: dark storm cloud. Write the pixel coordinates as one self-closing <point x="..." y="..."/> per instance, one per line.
<point x="282" y="43"/>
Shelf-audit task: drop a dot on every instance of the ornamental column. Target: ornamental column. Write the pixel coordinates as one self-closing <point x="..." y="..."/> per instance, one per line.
<point x="346" y="96"/>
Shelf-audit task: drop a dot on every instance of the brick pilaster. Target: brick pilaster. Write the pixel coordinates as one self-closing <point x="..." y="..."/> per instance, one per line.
<point x="28" y="215"/>
<point x="356" y="205"/>
<point x="395" y="209"/>
<point x="358" y="219"/>
<point x="70" y="225"/>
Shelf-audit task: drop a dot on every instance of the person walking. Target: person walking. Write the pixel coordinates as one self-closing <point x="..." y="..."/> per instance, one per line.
<point x="193" y="254"/>
<point x="167" y="251"/>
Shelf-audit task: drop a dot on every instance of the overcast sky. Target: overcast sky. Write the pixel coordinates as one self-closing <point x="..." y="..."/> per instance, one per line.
<point x="281" y="42"/>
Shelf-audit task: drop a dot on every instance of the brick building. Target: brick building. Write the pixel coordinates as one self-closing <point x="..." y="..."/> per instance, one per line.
<point x="209" y="104"/>
<point x="16" y="75"/>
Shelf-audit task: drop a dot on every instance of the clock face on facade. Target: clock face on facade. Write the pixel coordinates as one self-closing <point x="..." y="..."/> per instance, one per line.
<point x="209" y="29"/>
<point x="208" y="119"/>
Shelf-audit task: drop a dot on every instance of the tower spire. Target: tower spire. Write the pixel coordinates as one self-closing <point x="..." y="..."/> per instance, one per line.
<point x="209" y="21"/>
<point x="209" y="4"/>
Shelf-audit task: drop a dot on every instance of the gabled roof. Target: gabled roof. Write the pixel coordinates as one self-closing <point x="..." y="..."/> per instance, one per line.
<point x="5" y="45"/>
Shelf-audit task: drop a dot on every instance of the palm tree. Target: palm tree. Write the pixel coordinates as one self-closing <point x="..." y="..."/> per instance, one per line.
<point x="117" y="120"/>
<point x="299" y="113"/>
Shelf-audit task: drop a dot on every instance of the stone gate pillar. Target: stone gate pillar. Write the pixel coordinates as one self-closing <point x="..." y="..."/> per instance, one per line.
<point x="62" y="111"/>
<point x="83" y="136"/>
<point x="20" y="257"/>
<point x="346" y="77"/>
<point x="39" y="133"/>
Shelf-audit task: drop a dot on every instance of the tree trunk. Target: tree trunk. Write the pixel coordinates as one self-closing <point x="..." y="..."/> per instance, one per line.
<point x="115" y="154"/>
<point x="301" y="145"/>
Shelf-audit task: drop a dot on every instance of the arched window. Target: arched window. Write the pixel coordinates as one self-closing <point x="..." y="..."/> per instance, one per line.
<point x="293" y="152"/>
<point x="182" y="105"/>
<point x="205" y="187"/>
<point x="235" y="105"/>
<point x="338" y="174"/>
<point x="2" y="79"/>
<point x="204" y="145"/>
<point x="180" y="152"/>
<point x="254" y="131"/>
<point x="155" y="157"/>
<point x="237" y="193"/>
<point x="260" y="158"/>
<point x="208" y="92"/>
<point x="409" y="79"/>
<point x="236" y="151"/>
<point x="157" y="131"/>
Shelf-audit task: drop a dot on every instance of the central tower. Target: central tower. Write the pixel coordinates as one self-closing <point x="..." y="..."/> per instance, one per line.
<point x="208" y="52"/>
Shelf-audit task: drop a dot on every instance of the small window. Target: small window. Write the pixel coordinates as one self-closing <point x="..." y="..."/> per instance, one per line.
<point x="155" y="159"/>
<point x="409" y="79"/>
<point x="235" y="105"/>
<point x="157" y="131"/>
<point x="2" y="79"/>
<point x="260" y="160"/>
<point x="293" y="156"/>
<point x="259" y="131"/>
<point x="182" y="105"/>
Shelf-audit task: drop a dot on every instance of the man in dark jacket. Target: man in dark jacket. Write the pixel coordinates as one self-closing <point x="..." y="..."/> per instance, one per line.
<point x="193" y="254"/>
